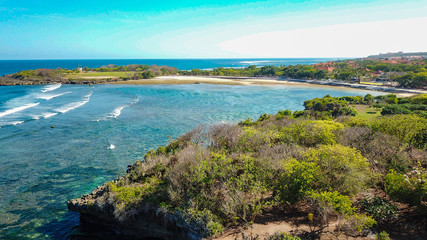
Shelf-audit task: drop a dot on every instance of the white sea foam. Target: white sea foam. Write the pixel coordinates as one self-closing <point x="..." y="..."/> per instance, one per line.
<point x="2" y="124"/>
<point x="111" y="146"/>
<point x="16" y="122"/>
<point x="52" y="87"/>
<point x="71" y="106"/>
<point x="48" y="114"/>
<point x="50" y="96"/>
<point x="36" y="117"/>
<point x="18" y="109"/>
<point x="118" y="111"/>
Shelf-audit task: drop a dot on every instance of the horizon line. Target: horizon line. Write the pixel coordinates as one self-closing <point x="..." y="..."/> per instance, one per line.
<point x="41" y="59"/>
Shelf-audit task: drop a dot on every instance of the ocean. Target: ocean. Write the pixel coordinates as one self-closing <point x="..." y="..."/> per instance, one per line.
<point x="58" y="142"/>
<point x="13" y="66"/>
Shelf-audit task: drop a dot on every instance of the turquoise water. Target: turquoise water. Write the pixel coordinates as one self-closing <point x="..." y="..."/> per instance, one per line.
<point x="99" y="130"/>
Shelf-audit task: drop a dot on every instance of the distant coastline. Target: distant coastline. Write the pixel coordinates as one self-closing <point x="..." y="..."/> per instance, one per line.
<point x="176" y="79"/>
<point x="406" y="73"/>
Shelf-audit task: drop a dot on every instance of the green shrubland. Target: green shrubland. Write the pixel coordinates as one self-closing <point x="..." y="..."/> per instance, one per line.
<point x="227" y="175"/>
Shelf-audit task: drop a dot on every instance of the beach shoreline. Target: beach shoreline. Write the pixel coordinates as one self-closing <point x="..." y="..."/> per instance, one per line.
<point x="246" y="81"/>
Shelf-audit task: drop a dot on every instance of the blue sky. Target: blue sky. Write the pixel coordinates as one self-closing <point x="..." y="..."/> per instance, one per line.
<point x="209" y="29"/>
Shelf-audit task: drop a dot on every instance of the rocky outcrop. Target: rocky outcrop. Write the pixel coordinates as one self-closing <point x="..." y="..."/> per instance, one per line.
<point x="147" y="222"/>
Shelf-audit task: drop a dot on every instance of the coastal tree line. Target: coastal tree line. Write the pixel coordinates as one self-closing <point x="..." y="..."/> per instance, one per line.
<point x="408" y="75"/>
<point x="412" y="74"/>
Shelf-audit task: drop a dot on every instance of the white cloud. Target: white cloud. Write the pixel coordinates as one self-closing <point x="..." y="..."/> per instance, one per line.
<point x="342" y="40"/>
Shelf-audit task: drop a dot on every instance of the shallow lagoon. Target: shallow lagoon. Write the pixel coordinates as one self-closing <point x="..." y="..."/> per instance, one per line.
<point x="60" y="141"/>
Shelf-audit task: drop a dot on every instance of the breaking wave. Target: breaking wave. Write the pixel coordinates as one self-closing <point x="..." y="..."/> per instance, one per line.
<point x="118" y="111"/>
<point x="71" y="106"/>
<point x="50" y="96"/>
<point x="18" y="109"/>
<point x="52" y="87"/>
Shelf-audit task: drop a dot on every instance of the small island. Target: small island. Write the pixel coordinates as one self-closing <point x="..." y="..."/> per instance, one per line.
<point x="343" y="168"/>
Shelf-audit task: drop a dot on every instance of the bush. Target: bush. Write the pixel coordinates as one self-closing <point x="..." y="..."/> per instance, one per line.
<point x="281" y="236"/>
<point x="282" y="114"/>
<point x="395" y="109"/>
<point x="409" y="188"/>
<point x="369" y="99"/>
<point x="225" y="136"/>
<point x="405" y="127"/>
<point x="419" y="99"/>
<point x="296" y="180"/>
<point x="342" y="169"/>
<point x="379" y="208"/>
<point x="312" y="133"/>
<point x="420" y="140"/>
<point x="382" y="151"/>
<point x="203" y="222"/>
<point x="382" y="236"/>
<point x="331" y="202"/>
<point x="330" y="106"/>
<point x="254" y="138"/>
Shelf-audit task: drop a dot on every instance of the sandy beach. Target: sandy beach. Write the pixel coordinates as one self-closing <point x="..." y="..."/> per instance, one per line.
<point x="263" y="81"/>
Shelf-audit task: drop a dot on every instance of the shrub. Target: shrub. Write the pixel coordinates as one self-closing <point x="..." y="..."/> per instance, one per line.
<point x="224" y="136"/>
<point x="248" y="122"/>
<point x="410" y="188"/>
<point x="281" y="236"/>
<point x="398" y="187"/>
<point x="130" y="194"/>
<point x="332" y="106"/>
<point x="325" y="104"/>
<point x="369" y="99"/>
<point x="357" y="223"/>
<point x="203" y="222"/>
<point x="312" y="133"/>
<point x="296" y="180"/>
<point x="419" y="99"/>
<point x="383" y="151"/>
<point x="282" y="114"/>
<point x="327" y="203"/>
<point x="420" y="140"/>
<point x="405" y="127"/>
<point x="382" y="236"/>
<point x="379" y="208"/>
<point x="395" y="109"/>
<point x="342" y="169"/>
<point x="253" y="138"/>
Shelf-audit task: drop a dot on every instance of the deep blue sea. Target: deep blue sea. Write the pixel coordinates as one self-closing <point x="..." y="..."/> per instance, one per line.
<point x="99" y="130"/>
<point x="13" y="66"/>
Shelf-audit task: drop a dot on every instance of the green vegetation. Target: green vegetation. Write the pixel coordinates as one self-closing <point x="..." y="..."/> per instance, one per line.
<point x="382" y="236"/>
<point x="323" y="157"/>
<point x="380" y="209"/>
<point x="38" y="74"/>
<point x="402" y="72"/>
<point x="94" y="75"/>
<point x="282" y="236"/>
<point x="104" y="73"/>
<point x="406" y="73"/>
